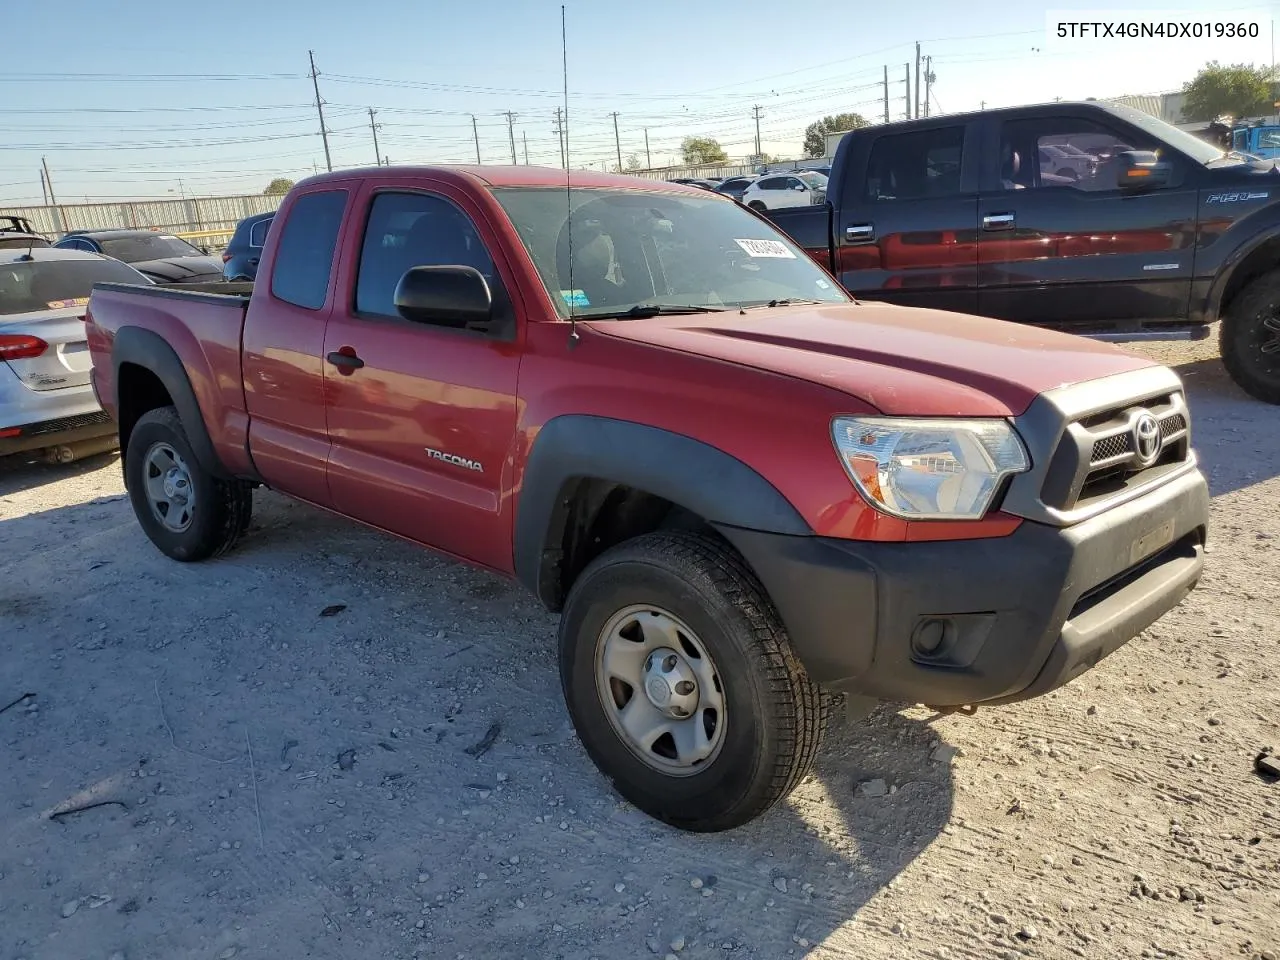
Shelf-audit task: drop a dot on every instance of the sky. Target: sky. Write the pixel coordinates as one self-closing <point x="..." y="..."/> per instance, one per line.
<point x="124" y="100"/>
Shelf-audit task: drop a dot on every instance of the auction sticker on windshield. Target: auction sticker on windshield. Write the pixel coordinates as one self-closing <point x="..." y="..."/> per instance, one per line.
<point x="60" y="304"/>
<point x="766" y="248"/>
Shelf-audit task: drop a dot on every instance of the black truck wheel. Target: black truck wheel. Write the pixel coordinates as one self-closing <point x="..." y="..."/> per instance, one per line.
<point x="682" y="683"/>
<point x="1249" y="338"/>
<point x="186" y="511"/>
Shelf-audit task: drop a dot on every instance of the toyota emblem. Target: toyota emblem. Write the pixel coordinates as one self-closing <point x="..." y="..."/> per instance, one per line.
<point x="1147" y="441"/>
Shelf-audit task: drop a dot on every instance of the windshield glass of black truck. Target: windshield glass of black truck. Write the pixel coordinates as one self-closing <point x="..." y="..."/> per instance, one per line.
<point x="636" y="253"/>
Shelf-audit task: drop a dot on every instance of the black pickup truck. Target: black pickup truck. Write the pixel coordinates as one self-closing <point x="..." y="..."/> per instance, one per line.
<point x="1087" y="217"/>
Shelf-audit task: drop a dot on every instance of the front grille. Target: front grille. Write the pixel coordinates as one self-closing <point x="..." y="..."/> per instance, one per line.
<point x="1097" y="457"/>
<point x="66" y="423"/>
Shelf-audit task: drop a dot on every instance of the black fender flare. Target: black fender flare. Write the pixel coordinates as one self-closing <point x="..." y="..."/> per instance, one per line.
<point x="694" y="475"/>
<point x="1265" y="228"/>
<point x="147" y="349"/>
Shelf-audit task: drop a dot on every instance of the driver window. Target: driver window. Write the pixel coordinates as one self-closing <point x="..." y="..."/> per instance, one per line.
<point x="1064" y="152"/>
<point x="407" y="230"/>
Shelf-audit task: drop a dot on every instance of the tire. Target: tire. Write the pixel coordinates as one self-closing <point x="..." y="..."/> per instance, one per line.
<point x="770" y="719"/>
<point x="757" y="206"/>
<point x="1249" y="338"/>
<point x="205" y="516"/>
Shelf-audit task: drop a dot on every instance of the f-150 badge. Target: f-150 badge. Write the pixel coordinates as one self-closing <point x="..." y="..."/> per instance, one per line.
<point x="1237" y="196"/>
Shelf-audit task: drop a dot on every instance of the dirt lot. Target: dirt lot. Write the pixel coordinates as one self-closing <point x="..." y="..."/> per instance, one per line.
<point x="276" y="783"/>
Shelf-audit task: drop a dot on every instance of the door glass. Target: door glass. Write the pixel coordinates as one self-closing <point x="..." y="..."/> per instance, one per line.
<point x="1064" y="152"/>
<point x="408" y="230"/>
<point x="915" y="166"/>
<point x="304" y="256"/>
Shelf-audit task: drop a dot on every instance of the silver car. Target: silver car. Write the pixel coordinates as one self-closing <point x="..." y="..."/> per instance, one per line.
<point x="46" y="401"/>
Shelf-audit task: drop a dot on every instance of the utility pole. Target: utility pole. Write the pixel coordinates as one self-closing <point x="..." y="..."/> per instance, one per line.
<point x="648" y="160"/>
<point x="377" y="154"/>
<point x="44" y="191"/>
<point x="928" y="82"/>
<point x="475" y="132"/>
<point x="907" y="96"/>
<point x="617" y="142"/>
<point x="917" y="114"/>
<point x="755" y="112"/>
<point x="886" y="93"/>
<point x="559" y="128"/>
<point x="511" y="134"/>
<point x="524" y="138"/>
<point x="324" y="133"/>
<point x="53" y="200"/>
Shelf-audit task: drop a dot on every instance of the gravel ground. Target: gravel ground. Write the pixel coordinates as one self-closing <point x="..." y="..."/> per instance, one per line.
<point x="398" y="778"/>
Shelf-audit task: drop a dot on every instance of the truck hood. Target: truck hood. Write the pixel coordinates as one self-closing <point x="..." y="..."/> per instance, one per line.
<point x="902" y="361"/>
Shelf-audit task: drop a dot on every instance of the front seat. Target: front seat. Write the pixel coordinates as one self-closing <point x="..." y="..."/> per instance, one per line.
<point x="1010" y="168"/>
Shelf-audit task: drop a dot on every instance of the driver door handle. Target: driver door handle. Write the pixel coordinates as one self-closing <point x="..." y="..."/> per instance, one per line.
<point x="346" y="361"/>
<point x="998" y="221"/>
<point x="859" y="233"/>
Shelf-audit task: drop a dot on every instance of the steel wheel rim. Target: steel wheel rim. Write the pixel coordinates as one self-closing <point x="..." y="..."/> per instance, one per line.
<point x="170" y="494"/>
<point x="660" y="690"/>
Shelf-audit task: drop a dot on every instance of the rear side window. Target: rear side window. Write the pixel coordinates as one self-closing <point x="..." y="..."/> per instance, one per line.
<point x="924" y="164"/>
<point x="258" y="233"/>
<point x="304" y="255"/>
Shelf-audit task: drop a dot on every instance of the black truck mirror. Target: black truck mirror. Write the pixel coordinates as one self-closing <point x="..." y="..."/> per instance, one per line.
<point x="449" y="296"/>
<point x="1142" y="170"/>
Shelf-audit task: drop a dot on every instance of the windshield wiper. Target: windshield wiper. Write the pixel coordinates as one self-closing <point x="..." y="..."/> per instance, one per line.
<point x="782" y="302"/>
<point x="642" y="311"/>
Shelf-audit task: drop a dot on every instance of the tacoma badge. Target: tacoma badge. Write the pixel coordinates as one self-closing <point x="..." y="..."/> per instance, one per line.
<point x="456" y="460"/>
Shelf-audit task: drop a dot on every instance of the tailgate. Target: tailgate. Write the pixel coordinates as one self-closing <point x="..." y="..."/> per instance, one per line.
<point x="64" y="361"/>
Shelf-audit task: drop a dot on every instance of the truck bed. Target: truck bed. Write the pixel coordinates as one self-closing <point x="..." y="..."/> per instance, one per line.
<point x="198" y="329"/>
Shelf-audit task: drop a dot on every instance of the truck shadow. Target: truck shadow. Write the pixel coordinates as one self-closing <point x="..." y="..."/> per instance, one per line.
<point x="426" y="656"/>
<point x="1234" y="435"/>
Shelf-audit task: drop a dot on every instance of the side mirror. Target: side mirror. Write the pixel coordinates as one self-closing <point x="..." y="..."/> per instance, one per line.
<point x="445" y="296"/>
<point x="1141" y="170"/>
<point x="799" y="186"/>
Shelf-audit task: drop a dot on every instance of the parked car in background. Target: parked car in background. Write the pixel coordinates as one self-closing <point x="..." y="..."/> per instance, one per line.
<point x="803" y="188"/>
<point x="240" y="259"/>
<point x="694" y="182"/>
<point x="161" y="257"/>
<point x="1066" y="161"/>
<point x="18" y="232"/>
<point x="734" y="186"/>
<point x="736" y="484"/>
<point x="1168" y="235"/>
<point x="46" y="401"/>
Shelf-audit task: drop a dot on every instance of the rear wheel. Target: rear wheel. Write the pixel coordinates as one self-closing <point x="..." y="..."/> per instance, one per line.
<point x="682" y="683"/>
<point x="757" y="206"/>
<point x="1249" y="338"/>
<point x="186" y="511"/>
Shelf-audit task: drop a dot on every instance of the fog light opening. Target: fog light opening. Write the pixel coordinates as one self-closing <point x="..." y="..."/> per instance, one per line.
<point x="932" y="637"/>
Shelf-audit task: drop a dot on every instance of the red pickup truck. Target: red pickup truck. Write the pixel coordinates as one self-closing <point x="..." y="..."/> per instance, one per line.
<point x="739" y="486"/>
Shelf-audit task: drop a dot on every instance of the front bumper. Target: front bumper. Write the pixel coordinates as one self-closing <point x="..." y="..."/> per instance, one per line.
<point x="950" y="623"/>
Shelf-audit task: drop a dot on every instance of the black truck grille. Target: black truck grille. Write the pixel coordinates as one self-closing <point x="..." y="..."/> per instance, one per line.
<point x="1098" y="456"/>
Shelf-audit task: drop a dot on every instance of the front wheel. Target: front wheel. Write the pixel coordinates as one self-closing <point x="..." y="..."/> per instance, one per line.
<point x="1249" y="338"/>
<point x="186" y="511"/>
<point x="682" y="683"/>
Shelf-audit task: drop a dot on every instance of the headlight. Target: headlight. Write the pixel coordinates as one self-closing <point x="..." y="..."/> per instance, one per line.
<point x="929" y="469"/>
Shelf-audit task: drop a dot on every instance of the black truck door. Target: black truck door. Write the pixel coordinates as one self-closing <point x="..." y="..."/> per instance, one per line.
<point x="1062" y="244"/>
<point x="905" y="222"/>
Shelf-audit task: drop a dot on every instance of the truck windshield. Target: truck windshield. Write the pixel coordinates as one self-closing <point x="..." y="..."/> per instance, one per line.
<point x="640" y="249"/>
<point x="1180" y="140"/>
<point x="33" y="286"/>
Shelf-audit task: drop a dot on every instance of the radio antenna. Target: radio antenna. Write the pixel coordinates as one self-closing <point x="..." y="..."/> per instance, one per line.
<point x="568" y="187"/>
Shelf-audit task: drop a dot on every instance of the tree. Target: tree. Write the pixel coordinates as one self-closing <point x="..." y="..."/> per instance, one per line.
<point x="278" y="187"/>
<point x="631" y="165"/>
<point x="815" y="134"/>
<point x="699" y="151"/>
<point x="1238" y="90"/>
